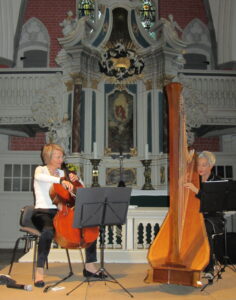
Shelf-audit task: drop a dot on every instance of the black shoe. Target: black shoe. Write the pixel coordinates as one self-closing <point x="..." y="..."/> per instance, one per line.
<point x="6" y="279"/>
<point x="39" y="283"/>
<point x="87" y="273"/>
<point x="209" y="275"/>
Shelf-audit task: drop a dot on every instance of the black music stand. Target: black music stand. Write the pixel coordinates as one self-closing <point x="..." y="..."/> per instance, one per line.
<point x="101" y="207"/>
<point x="213" y="196"/>
<point x="217" y="197"/>
<point x="231" y="196"/>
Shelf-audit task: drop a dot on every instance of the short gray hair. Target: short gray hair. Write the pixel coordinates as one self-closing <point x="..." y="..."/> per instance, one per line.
<point x="209" y="156"/>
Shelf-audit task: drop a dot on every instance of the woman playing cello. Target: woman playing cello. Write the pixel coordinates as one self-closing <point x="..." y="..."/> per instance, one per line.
<point x="45" y="210"/>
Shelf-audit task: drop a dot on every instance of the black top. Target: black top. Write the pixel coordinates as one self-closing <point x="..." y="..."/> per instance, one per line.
<point x="201" y="196"/>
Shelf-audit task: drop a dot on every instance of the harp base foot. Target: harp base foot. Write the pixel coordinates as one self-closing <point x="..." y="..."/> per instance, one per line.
<point x="179" y="276"/>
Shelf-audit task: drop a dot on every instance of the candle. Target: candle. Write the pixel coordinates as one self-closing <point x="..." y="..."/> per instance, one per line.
<point x="95" y="153"/>
<point x="146" y="151"/>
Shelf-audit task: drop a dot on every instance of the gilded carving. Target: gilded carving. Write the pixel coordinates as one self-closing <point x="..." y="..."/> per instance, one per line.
<point x="148" y="84"/>
<point x="113" y="176"/>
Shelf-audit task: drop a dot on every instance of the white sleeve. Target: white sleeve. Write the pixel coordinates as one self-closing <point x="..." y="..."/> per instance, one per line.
<point x="40" y="175"/>
<point x="81" y="181"/>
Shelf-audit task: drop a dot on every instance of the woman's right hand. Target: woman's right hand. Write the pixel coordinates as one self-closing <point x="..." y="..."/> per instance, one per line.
<point x="67" y="185"/>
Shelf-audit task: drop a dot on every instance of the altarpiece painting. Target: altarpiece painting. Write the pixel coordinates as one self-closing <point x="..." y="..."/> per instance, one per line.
<point x="120" y="137"/>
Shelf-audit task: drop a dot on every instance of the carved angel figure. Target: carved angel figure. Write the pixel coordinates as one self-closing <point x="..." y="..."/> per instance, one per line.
<point x="68" y="24"/>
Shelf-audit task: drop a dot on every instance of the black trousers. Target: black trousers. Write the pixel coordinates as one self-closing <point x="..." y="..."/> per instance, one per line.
<point x="215" y="229"/>
<point x="43" y="221"/>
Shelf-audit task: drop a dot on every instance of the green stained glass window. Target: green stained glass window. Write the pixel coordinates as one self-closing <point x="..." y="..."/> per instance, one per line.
<point x="147" y="14"/>
<point x="86" y="8"/>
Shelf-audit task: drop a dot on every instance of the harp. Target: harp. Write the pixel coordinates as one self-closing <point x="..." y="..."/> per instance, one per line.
<point x="180" y="251"/>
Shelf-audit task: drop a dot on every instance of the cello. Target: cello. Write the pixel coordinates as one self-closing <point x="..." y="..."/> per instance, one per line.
<point x="180" y="251"/>
<point x="65" y="235"/>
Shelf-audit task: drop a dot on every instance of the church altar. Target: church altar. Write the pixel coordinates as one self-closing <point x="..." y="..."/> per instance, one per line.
<point x="149" y="198"/>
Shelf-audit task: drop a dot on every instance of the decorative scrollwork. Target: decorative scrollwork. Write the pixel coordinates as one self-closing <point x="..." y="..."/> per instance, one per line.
<point x="195" y="110"/>
<point x="47" y="112"/>
<point x="121" y="63"/>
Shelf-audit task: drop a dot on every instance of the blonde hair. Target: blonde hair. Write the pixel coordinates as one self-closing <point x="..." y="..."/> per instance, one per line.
<point x="48" y="150"/>
<point x="209" y="156"/>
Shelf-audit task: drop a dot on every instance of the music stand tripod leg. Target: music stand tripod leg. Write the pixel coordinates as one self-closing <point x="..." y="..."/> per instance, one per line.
<point x="101" y="207"/>
<point x="210" y="281"/>
<point x="102" y="269"/>
<point x="77" y="286"/>
<point x="104" y="274"/>
<point x="116" y="281"/>
<point x="216" y="275"/>
<point x="227" y="260"/>
<point x="86" y="280"/>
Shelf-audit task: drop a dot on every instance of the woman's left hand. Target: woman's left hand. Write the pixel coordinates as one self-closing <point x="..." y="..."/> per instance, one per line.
<point x="73" y="177"/>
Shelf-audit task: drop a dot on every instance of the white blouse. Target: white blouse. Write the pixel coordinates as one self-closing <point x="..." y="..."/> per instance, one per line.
<point x="42" y="184"/>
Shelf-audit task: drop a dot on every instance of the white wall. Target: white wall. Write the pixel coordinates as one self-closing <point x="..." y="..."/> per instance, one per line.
<point x="12" y="202"/>
<point x="229" y="143"/>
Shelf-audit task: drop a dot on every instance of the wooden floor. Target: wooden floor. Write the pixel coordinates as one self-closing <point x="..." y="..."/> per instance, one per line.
<point x="130" y="276"/>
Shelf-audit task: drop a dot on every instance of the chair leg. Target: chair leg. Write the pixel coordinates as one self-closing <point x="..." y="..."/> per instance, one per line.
<point x="14" y="254"/>
<point x="28" y="241"/>
<point x="35" y="258"/>
<point x="47" y="263"/>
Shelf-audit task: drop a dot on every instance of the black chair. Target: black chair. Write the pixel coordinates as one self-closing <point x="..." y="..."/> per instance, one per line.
<point x="31" y="235"/>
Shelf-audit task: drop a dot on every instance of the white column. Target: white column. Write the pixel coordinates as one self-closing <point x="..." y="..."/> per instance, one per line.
<point x="223" y="13"/>
<point x="130" y="234"/>
<point x="9" y="14"/>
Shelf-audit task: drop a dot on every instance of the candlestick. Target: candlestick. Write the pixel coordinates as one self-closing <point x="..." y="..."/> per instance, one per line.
<point x="147" y="174"/>
<point x="95" y="163"/>
<point x="146" y="151"/>
<point x="95" y="153"/>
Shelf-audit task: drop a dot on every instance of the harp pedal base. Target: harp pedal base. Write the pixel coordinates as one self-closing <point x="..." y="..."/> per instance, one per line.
<point x="180" y="276"/>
